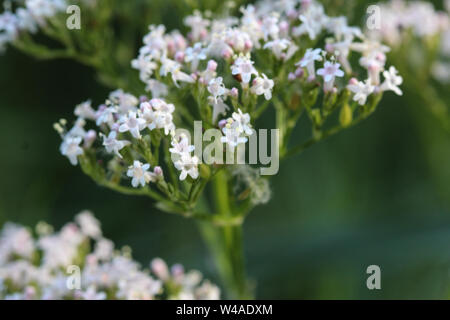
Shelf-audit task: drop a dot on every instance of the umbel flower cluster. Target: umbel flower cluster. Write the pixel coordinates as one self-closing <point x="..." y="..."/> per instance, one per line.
<point x="44" y="267"/>
<point x="25" y="17"/>
<point x="403" y="22"/>
<point x="419" y="36"/>
<point x="226" y="71"/>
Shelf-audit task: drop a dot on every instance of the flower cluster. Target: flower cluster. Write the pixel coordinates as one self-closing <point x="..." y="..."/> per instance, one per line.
<point x="225" y="72"/>
<point x="402" y="22"/>
<point x="30" y="17"/>
<point x="41" y="268"/>
<point x="400" y="17"/>
<point x="233" y="43"/>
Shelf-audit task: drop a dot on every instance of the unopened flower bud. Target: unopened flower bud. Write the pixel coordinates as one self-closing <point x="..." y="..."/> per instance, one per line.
<point x="212" y="65"/>
<point x="234" y="92"/>
<point x="159" y="268"/>
<point x="179" y="56"/>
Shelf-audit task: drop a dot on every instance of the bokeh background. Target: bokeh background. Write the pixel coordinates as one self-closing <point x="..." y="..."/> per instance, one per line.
<point x="378" y="193"/>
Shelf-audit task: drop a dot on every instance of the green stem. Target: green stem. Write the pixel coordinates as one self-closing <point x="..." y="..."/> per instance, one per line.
<point x="226" y="243"/>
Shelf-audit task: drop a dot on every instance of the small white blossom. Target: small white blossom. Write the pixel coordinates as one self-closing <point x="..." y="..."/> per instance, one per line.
<point x="112" y="145"/>
<point x="195" y="55"/>
<point x="329" y="72"/>
<point x="139" y="174"/>
<point x="130" y="123"/>
<point x="181" y="146"/>
<point x="263" y="85"/>
<point x="309" y="59"/>
<point x="188" y="165"/>
<point x="361" y="90"/>
<point x="217" y="88"/>
<point x="244" y="67"/>
<point x="392" y="80"/>
<point x="70" y="148"/>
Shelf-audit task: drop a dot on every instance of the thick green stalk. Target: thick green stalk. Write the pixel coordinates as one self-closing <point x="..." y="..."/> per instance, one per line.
<point x="226" y="244"/>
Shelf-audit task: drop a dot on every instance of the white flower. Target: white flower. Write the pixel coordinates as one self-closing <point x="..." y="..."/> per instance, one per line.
<point x="157" y="88"/>
<point x="270" y="26"/>
<point x="195" y="55"/>
<point x="244" y="67"/>
<point x="70" y="148"/>
<point x="361" y="90"/>
<point x="217" y="88"/>
<point x="181" y="146"/>
<point x="112" y="145"/>
<point x="237" y="129"/>
<point x="198" y="25"/>
<point x="92" y="294"/>
<point x="243" y="121"/>
<point x="233" y="135"/>
<point x="188" y="165"/>
<point x="158" y="114"/>
<point x="89" y="225"/>
<point x="309" y="59"/>
<point x="132" y="124"/>
<point x="84" y="110"/>
<point x="126" y="102"/>
<point x="329" y="72"/>
<point x="279" y="46"/>
<point x="392" y="80"/>
<point x="105" y="115"/>
<point x="139" y="174"/>
<point x="174" y="68"/>
<point x="263" y="85"/>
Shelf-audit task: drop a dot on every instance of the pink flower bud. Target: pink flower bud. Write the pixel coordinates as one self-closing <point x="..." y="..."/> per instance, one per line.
<point x="179" y="56"/>
<point x="248" y="45"/>
<point x="353" y="81"/>
<point x="284" y="26"/>
<point x="227" y="53"/>
<point x="222" y="123"/>
<point x="143" y="98"/>
<point x="115" y="126"/>
<point x="299" y="72"/>
<point x="234" y="92"/>
<point x="212" y="65"/>
<point x="158" y="171"/>
<point x="292" y="14"/>
<point x="291" y="76"/>
<point x="159" y="268"/>
<point x="89" y="138"/>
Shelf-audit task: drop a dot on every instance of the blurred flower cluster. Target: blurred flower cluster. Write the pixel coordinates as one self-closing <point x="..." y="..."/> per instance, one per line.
<point x="225" y="72"/>
<point x="419" y="37"/>
<point x="22" y="18"/>
<point x="402" y="21"/>
<point x="42" y="267"/>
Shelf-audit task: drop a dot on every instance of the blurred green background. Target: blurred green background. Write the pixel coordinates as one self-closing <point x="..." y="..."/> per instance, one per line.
<point x="378" y="193"/>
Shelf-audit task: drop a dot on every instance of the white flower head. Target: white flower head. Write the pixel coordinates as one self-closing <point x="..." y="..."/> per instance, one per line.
<point x="361" y="90"/>
<point x="217" y="88"/>
<point x="392" y="80"/>
<point x="243" y="66"/>
<point x="263" y="86"/>
<point x="181" y="146"/>
<point x="309" y="59"/>
<point x="70" y="148"/>
<point x="139" y="174"/>
<point x="188" y="165"/>
<point x="195" y="54"/>
<point x="112" y="145"/>
<point x="84" y="110"/>
<point x="131" y="123"/>
<point x="329" y="72"/>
